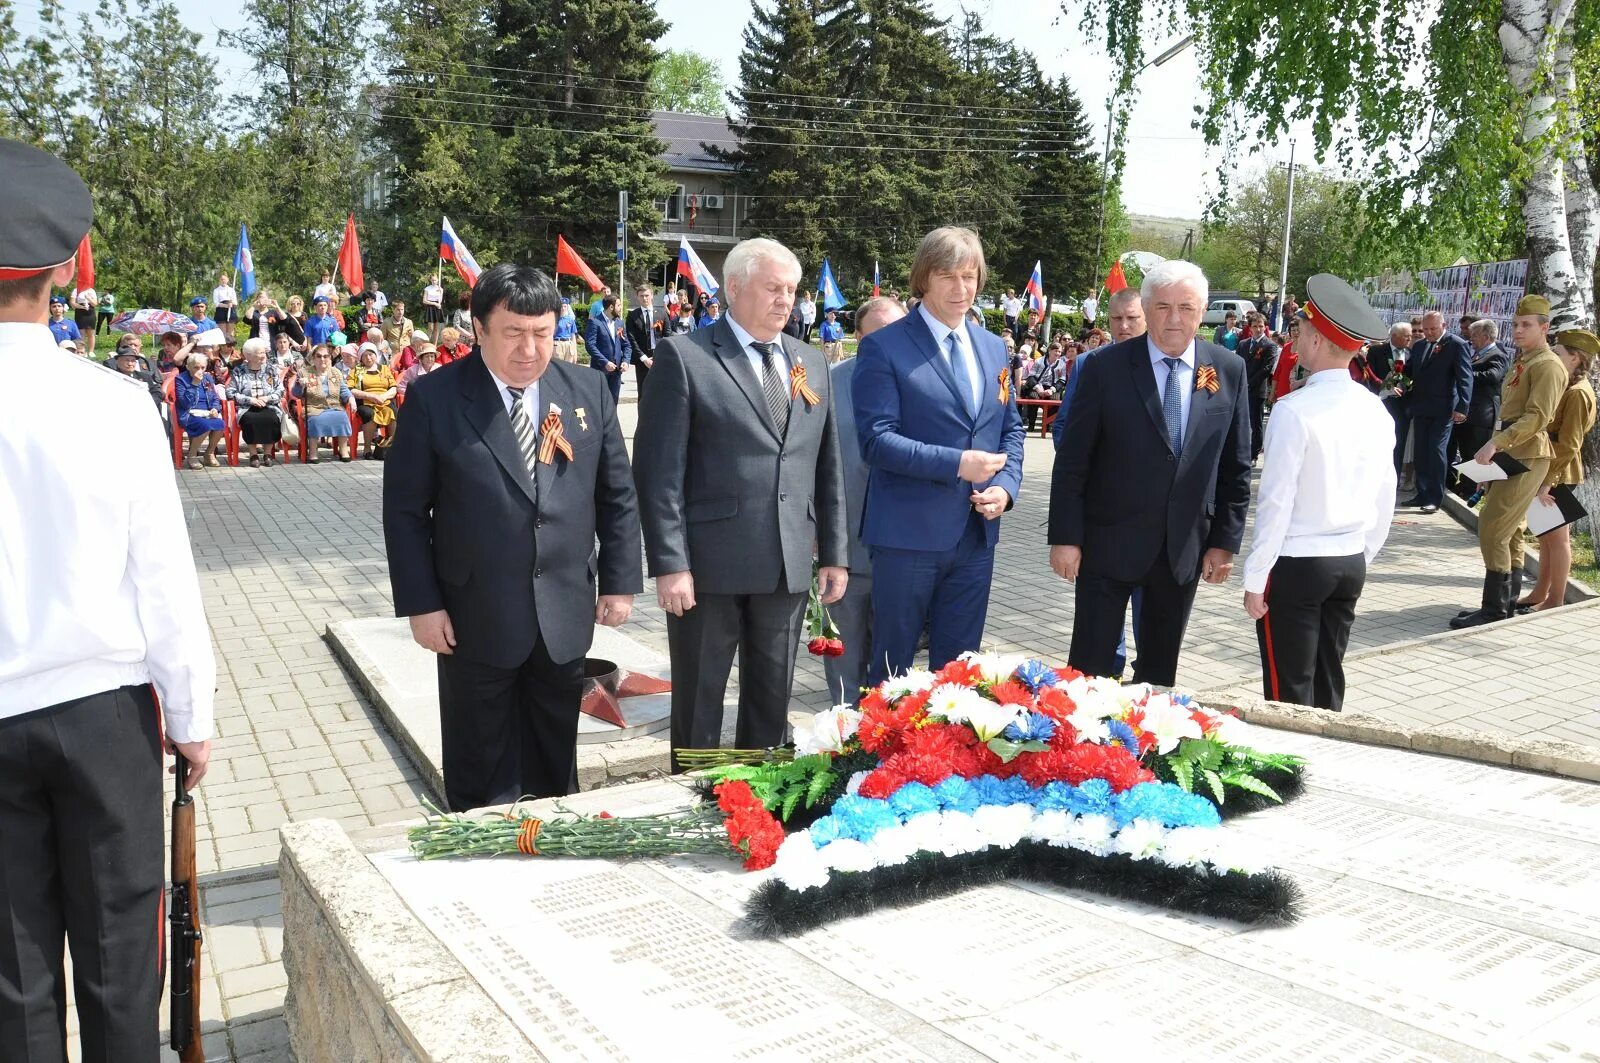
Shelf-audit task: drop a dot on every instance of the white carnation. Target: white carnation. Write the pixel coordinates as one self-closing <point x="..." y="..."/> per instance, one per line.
<point x="922" y="832"/>
<point x="799" y="865"/>
<point x="1003" y="826"/>
<point x="853" y="786"/>
<point x="847" y="854"/>
<point x="1141" y="839"/>
<point x="958" y="834"/>
<point x="1053" y="827"/>
<point x="1188" y="846"/>
<point x="1091" y="833"/>
<point x="894" y="845"/>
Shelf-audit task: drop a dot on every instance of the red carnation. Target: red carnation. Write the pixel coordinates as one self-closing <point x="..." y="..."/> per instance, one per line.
<point x="1011" y="692"/>
<point x="881" y="783"/>
<point x="731" y="796"/>
<point x="1055" y="704"/>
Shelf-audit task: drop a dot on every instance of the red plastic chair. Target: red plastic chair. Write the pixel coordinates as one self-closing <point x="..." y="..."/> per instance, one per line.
<point x="169" y="392"/>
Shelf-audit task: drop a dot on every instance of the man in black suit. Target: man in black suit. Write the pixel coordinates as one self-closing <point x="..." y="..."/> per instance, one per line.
<point x="1152" y="479"/>
<point x="644" y="332"/>
<point x="1440" y="367"/>
<point x="738" y="464"/>
<point x="1383" y="358"/>
<point x="1489" y="364"/>
<point x="1260" y="354"/>
<point x="503" y="471"/>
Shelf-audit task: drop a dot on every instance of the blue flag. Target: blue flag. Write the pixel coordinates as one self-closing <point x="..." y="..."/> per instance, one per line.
<point x="244" y="266"/>
<point x="831" y="297"/>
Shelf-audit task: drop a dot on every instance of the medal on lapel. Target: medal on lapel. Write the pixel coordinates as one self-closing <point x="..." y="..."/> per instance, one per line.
<point x="799" y="389"/>
<point x="1205" y="379"/>
<point x="552" y="437"/>
<point x="1004" y="380"/>
<point x="582" y="415"/>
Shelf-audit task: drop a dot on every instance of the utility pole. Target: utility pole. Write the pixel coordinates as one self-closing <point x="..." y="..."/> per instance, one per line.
<point x="622" y="245"/>
<point x="1288" y="225"/>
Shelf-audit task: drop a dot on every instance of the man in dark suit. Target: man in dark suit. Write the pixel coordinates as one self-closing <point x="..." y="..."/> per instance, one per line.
<point x="1489" y="364"/>
<point x="1440" y="367"/>
<point x="1152" y="479"/>
<point x="643" y="329"/>
<point x="939" y="429"/>
<point x="503" y="472"/>
<point x="608" y="346"/>
<point x="738" y="467"/>
<point x="1259" y="354"/>
<point x="1383" y="359"/>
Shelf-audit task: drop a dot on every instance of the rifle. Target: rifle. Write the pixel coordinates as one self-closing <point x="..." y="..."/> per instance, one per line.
<point x="185" y="954"/>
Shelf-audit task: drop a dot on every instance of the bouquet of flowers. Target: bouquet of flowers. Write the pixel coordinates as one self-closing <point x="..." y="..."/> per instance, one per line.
<point x="822" y="632"/>
<point x="1397" y="379"/>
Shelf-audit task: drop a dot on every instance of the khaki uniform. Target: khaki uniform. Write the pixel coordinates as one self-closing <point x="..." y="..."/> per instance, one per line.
<point x="1574" y="418"/>
<point x="1528" y="403"/>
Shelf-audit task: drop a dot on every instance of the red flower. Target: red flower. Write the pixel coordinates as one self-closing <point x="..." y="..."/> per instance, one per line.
<point x="734" y="795"/>
<point x="1054" y="703"/>
<point x="1068" y="674"/>
<point x="833" y="647"/>
<point x="962" y="673"/>
<point x="873" y="700"/>
<point x="606" y="815"/>
<point x="818" y="646"/>
<point x="752" y="830"/>
<point x="1208" y="723"/>
<point x="1011" y="692"/>
<point x="881" y="783"/>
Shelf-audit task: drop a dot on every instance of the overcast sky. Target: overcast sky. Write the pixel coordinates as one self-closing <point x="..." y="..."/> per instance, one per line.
<point x="1169" y="171"/>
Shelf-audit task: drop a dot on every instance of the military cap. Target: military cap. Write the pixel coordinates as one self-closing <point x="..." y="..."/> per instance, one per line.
<point x="1576" y="339"/>
<point x="48" y="211"/>
<point x="1533" y="306"/>
<point x="1340" y="313"/>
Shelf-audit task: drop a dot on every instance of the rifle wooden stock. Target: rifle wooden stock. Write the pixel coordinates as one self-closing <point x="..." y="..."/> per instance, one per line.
<point x="186" y="940"/>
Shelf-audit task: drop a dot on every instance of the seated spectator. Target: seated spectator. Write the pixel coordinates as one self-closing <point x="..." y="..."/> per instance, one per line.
<point x="347" y="361"/>
<point x="199" y="411"/>
<point x="427" y="362"/>
<point x="408" y="354"/>
<point x="284" y="353"/>
<point x="71" y="347"/>
<point x="175" y="348"/>
<point x="450" y="345"/>
<point x="1045" y="380"/>
<point x="324" y="392"/>
<point x="373" y="387"/>
<point x="256" y="389"/>
<point x="374" y="336"/>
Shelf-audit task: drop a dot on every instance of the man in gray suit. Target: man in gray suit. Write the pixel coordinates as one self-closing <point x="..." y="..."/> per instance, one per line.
<point x="736" y="457"/>
<point x="847" y="674"/>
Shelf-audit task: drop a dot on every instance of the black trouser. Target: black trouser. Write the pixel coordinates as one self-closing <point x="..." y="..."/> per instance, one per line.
<point x="81" y="859"/>
<point x="508" y="732"/>
<point x="1258" y="408"/>
<point x="1311" y="603"/>
<point x="1100" y="611"/>
<point x="765" y="630"/>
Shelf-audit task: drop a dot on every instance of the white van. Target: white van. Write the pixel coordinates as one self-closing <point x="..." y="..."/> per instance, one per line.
<point x="1217" y="312"/>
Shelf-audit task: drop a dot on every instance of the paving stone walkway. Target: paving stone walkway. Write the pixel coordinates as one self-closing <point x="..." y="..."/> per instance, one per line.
<point x="283" y="551"/>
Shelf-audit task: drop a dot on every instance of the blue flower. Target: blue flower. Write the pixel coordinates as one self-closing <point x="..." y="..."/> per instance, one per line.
<point x="956" y="795"/>
<point x="1035" y="675"/>
<point x="1122" y="734"/>
<point x="993" y="791"/>
<point x="825" y="830"/>
<point x="1035" y="727"/>
<point x="913" y="799"/>
<point x="1056" y="796"/>
<point x="862" y="817"/>
<point x="1094" y="796"/>
<point x="1165" y="803"/>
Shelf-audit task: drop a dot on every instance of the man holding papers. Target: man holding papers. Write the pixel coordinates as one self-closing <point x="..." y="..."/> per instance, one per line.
<point x="1528" y="403"/>
<point x="1326" y="501"/>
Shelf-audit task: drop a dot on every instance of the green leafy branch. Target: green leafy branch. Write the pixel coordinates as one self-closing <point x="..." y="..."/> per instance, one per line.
<point x="1208" y="762"/>
<point x="782" y="787"/>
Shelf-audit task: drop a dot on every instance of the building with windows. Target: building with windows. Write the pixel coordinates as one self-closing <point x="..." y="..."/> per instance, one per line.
<point x="705" y="204"/>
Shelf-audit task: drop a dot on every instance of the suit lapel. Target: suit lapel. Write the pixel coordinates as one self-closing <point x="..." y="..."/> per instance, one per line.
<point x="552" y="389"/>
<point x="486" y="411"/>
<point x="1199" y="401"/>
<point x="797" y="353"/>
<point x="988" y="377"/>
<point x="734" y="360"/>
<point x="923" y="337"/>
<point x="1144" y="383"/>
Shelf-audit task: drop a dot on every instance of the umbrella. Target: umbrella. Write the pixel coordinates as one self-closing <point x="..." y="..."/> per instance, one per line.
<point x="151" y="322"/>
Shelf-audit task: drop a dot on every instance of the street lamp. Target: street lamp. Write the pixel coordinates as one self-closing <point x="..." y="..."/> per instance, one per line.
<point x="1105" y="156"/>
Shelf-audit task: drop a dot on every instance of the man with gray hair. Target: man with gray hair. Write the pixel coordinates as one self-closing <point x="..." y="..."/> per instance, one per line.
<point x="847" y="673"/>
<point x="1152" y="479"/>
<point x="1489" y="364"/>
<point x="737" y="461"/>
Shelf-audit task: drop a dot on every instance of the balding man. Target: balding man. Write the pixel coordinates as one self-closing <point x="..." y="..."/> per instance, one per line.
<point x="1152" y="479"/>
<point x="847" y="673"/>
<point x="1440" y="368"/>
<point x="1126" y="315"/>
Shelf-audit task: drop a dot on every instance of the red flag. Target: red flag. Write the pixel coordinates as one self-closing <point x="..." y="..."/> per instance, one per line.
<point x="85" y="264"/>
<point x="350" y="258"/>
<point x="569" y="261"/>
<point x="1115" y="281"/>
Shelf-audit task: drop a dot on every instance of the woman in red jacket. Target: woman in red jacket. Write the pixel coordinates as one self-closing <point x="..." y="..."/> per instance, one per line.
<point x="1283" y="374"/>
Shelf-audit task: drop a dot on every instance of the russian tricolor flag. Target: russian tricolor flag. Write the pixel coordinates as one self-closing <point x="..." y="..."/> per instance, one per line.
<point x="1035" y="293"/>
<point x="452" y="250"/>
<point x="691" y="269"/>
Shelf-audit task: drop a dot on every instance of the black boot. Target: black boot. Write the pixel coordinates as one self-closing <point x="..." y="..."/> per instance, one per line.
<point x="1496" y="602"/>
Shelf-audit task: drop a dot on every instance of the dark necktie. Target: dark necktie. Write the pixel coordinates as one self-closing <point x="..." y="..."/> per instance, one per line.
<point x="1172" y="405"/>
<point x="772" y="386"/>
<point x="527" y="441"/>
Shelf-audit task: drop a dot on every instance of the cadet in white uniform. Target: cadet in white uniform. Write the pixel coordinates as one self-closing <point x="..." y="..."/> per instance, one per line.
<point x="1325" y="504"/>
<point x="98" y="600"/>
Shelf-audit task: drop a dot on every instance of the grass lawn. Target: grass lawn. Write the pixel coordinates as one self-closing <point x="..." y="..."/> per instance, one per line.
<point x="1584" y="569"/>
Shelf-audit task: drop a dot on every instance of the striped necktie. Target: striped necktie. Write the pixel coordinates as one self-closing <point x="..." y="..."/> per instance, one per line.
<point x="772" y="386"/>
<point x="1172" y="405"/>
<point x="522" y="426"/>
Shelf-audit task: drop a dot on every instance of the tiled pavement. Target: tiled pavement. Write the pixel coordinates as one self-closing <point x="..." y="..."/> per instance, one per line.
<point x="285" y="550"/>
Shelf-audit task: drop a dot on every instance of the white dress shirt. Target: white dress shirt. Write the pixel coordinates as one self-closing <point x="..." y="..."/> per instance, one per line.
<point x="530" y="399"/>
<point x="224" y="293"/>
<point x="1327" y="481"/>
<point x="1158" y="362"/>
<point x="941" y="339"/>
<point x="97" y="585"/>
<point x="745" y="340"/>
<point x="326" y="291"/>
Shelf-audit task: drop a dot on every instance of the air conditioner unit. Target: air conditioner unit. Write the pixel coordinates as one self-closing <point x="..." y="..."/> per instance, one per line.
<point x="711" y="202"/>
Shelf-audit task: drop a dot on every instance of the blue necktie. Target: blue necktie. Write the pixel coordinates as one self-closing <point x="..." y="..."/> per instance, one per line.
<point x="958" y="366"/>
<point x="1172" y="405"/>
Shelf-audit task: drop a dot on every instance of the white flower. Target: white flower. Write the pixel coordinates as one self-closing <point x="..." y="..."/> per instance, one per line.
<point x="1233" y="731"/>
<point x="994" y="667"/>
<point x="1095" y="696"/>
<point x="915" y="681"/>
<point x="1168" y="721"/>
<point x="958" y="834"/>
<point x="1233" y="854"/>
<point x="827" y="732"/>
<point x="954" y="702"/>
<point x="1091" y="726"/>
<point x="1141" y="839"/>
<point x="894" y="845"/>
<point x="987" y="718"/>
<point x="799" y="865"/>
<point x="1091" y="833"/>
<point x="1188" y="846"/>
<point x="1003" y="826"/>
<point x="853" y="786"/>
<point x="847" y="854"/>
<point x="1054" y="827"/>
<point x="922" y="832"/>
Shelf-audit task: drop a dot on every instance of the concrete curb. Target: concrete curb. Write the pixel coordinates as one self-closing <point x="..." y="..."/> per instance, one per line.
<point x="1468" y="519"/>
<point x="1447" y="634"/>
<point x="361" y="669"/>
<point x="1566" y="759"/>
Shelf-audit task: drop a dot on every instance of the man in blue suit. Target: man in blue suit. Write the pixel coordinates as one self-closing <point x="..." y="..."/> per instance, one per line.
<point x="609" y="349"/>
<point x="939" y="430"/>
<point x="1152" y="479"/>
<point x="1441" y="394"/>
